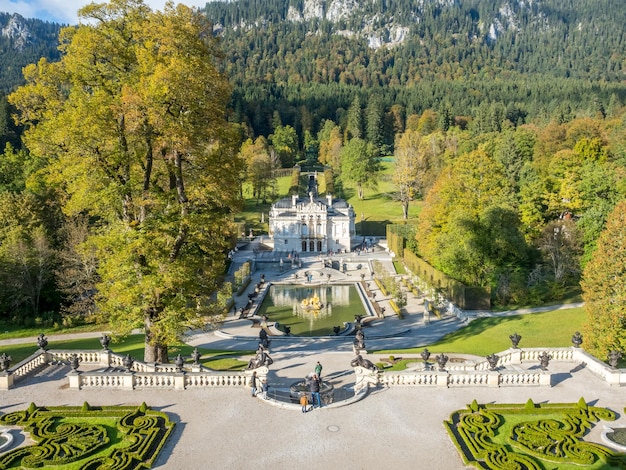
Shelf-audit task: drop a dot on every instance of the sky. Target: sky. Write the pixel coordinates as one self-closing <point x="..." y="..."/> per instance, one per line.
<point x="64" y="11"/>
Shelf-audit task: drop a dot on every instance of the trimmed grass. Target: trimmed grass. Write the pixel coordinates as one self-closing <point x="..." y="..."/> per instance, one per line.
<point x="485" y="336"/>
<point x="10" y="330"/>
<point x="134" y="345"/>
<point x="377" y="209"/>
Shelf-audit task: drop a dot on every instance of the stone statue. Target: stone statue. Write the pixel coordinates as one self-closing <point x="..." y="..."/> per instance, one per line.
<point x="5" y="362"/>
<point x="179" y="362"/>
<point x="359" y="342"/>
<point x="287" y="329"/>
<point x="359" y="361"/>
<point x="577" y="339"/>
<point x="492" y="359"/>
<point x="74" y="361"/>
<point x="261" y="359"/>
<point x="425" y="356"/>
<point x="195" y="355"/>
<point x="515" y="339"/>
<point x="263" y="339"/>
<point x="42" y="342"/>
<point x="614" y="357"/>
<point x="544" y="360"/>
<point x="336" y="330"/>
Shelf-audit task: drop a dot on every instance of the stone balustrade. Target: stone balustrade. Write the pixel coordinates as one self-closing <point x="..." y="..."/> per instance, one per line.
<point x="30" y="364"/>
<point x="113" y="374"/>
<point x="508" y="373"/>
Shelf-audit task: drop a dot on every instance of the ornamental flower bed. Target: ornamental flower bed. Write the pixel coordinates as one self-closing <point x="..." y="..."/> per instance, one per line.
<point x="84" y="438"/>
<point x="531" y="436"/>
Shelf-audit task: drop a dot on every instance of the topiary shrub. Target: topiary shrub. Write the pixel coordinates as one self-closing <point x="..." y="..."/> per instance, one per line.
<point x="62" y="439"/>
<point x="549" y="435"/>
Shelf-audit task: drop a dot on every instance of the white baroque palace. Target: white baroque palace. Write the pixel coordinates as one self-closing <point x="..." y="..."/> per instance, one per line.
<point x="312" y="224"/>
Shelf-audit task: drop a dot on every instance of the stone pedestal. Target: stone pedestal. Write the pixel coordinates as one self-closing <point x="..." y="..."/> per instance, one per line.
<point x="516" y="355"/>
<point x="105" y="358"/>
<point x="179" y="381"/>
<point x="74" y="378"/>
<point x="493" y="379"/>
<point x="6" y="380"/>
<point x="442" y="378"/>
<point x="128" y="381"/>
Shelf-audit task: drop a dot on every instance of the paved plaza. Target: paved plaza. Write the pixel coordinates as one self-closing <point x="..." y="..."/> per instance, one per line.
<point x="398" y="427"/>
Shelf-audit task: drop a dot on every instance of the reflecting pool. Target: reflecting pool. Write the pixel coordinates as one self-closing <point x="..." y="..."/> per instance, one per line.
<point x="311" y="310"/>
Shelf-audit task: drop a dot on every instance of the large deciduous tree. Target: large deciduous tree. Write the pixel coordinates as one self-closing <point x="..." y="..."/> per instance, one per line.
<point x="132" y="122"/>
<point x="468" y="226"/>
<point x="359" y="165"/>
<point x="604" y="288"/>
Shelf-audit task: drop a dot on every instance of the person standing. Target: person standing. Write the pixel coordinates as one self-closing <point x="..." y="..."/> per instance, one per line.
<point x="314" y="387"/>
<point x="253" y="383"/>
<point x="304" y="402"/>
<point x="318" y="371"/>
<point x="264" y="387"/>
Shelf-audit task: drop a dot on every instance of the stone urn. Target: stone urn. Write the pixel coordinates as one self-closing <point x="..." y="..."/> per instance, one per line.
<point x="515" y="339"/>
<point x="442" y="360"/>
<point x="577" y="339"/>
<point x="104" y="341"/>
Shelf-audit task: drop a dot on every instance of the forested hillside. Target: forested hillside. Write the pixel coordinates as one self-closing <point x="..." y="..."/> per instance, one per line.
<point x="505" y="122"/>
<point x="24" y="41"/>
<point x="308" y="59"/>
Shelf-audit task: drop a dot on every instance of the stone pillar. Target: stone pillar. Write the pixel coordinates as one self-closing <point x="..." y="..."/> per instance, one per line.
<point x="75" y="380"/>
<point x="516" y="356"/>
<point x="105" y="358"/>
<point x="442" y="379"/>
<point x="128" y="381"/>
<point x="493" y="379"/>
<point x="6" y="380"/>
<point x="545" y="378"/>
<point x="179" y="381"/>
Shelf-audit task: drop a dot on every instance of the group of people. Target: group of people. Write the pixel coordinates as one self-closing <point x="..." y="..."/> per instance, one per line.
<point x="314" y="382"/>
<point x="255" y="389"/>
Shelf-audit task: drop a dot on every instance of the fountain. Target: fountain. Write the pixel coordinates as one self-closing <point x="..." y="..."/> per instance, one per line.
<point x="312" y="303"/>
<point x="327" y="391"/>
<point x="311" y="310"/>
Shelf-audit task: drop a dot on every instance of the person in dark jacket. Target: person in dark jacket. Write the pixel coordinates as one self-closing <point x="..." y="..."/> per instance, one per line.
<point x="314" y="387"/>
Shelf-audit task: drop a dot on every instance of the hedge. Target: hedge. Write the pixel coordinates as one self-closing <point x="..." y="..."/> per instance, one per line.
<point x="467" y="298"/>
<point x="396" y="309"/>
<point x="551" y="435"/>
<point x="62" y="439"/>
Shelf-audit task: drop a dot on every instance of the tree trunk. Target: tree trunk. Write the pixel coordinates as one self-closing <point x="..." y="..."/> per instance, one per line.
<point x="153" y="350"/>
<point x="405" y="209"/>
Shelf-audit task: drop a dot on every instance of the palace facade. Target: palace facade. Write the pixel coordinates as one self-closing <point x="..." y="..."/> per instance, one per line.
<point x="312" y="224"/>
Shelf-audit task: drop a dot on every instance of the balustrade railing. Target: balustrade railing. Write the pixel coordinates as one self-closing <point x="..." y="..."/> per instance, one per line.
<point x="114" y="373"/>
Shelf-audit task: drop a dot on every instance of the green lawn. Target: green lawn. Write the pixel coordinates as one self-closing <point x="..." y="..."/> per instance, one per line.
<point x="134" y="345"/>
<point x="377" y="209"/>
<point x="485" y="336"/>
<point x="10" y="330"/>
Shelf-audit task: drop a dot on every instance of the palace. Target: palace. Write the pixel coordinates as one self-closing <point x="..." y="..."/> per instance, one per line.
<point x="312" y="224"/>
